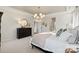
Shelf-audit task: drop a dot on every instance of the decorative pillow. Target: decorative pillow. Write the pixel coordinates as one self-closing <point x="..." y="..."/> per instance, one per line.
<point x="59" y="32"/>
<point x="77" y="38"/>
<point x="64" y="30"/>
<point x="65" y="35"/>
<point x="73" y="38"/>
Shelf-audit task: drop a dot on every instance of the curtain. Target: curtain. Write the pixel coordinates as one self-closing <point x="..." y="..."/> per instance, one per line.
<point x="75" y="18"/>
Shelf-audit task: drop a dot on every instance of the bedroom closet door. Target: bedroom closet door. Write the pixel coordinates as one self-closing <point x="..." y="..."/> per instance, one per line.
<point x="0" y="26"/>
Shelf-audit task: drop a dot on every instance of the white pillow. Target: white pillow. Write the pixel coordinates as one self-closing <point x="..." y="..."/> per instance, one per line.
<point x="73" y="38"/>
<point x="65" y="35"/>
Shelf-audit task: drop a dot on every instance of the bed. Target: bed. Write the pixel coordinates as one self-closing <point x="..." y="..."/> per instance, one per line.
<point x="48" y="41"/>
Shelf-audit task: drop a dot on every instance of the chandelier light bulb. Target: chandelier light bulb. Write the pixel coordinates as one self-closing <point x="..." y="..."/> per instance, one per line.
<point x="35" y="15"/>
<point x="43" y="15"/>
<point x="40" y="14"/>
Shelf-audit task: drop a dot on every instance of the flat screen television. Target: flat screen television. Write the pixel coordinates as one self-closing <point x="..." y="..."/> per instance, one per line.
<point x="24" y="32"/>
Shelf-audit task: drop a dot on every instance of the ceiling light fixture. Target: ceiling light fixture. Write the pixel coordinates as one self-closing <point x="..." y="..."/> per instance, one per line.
<point x="39" y="16"/>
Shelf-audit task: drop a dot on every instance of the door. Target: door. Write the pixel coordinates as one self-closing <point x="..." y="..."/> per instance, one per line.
<point x="52" y="24"/>
<point x="0" y="26"/>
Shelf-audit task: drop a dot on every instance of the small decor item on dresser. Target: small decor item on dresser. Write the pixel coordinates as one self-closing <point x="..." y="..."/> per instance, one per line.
<point x="70" y="50"/>
<point x="23" y="22"/>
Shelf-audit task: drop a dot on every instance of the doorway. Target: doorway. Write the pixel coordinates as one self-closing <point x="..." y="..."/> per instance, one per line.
<point x="52" y="24"/>
<point x="1" y="13"/>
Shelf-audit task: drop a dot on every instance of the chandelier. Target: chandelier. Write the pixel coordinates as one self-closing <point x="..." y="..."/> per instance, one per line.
<point x="39" y="16"/>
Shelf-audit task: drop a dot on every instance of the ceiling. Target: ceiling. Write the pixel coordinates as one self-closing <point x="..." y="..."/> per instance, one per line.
<point x="38" y="9"/>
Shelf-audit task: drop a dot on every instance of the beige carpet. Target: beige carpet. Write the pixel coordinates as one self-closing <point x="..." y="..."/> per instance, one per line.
<point x="18" y="46"/>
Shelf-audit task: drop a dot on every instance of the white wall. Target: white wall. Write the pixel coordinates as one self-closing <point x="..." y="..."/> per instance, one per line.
<point x="62" y="19"/>
<point x="9" y="22"/>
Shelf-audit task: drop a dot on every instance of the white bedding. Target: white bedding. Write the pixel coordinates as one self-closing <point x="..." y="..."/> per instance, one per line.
<point x="58" y="46"/>
<point x="48" y="41"/>
<point x="39" y="39"/>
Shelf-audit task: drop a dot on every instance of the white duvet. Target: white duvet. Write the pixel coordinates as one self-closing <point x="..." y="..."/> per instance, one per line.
<point x="48" y="41"/>
<point x="40" y="39"/>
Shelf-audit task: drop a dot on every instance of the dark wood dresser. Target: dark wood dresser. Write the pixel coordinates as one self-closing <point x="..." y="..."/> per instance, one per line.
<point x="24" y="32"/>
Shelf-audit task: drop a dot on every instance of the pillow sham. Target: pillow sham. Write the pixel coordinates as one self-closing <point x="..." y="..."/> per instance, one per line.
<point x="65" y="35"/>
<point x="64" y="30"/>
<point x="73" y="38"/>
<point x="59" y="32"/>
